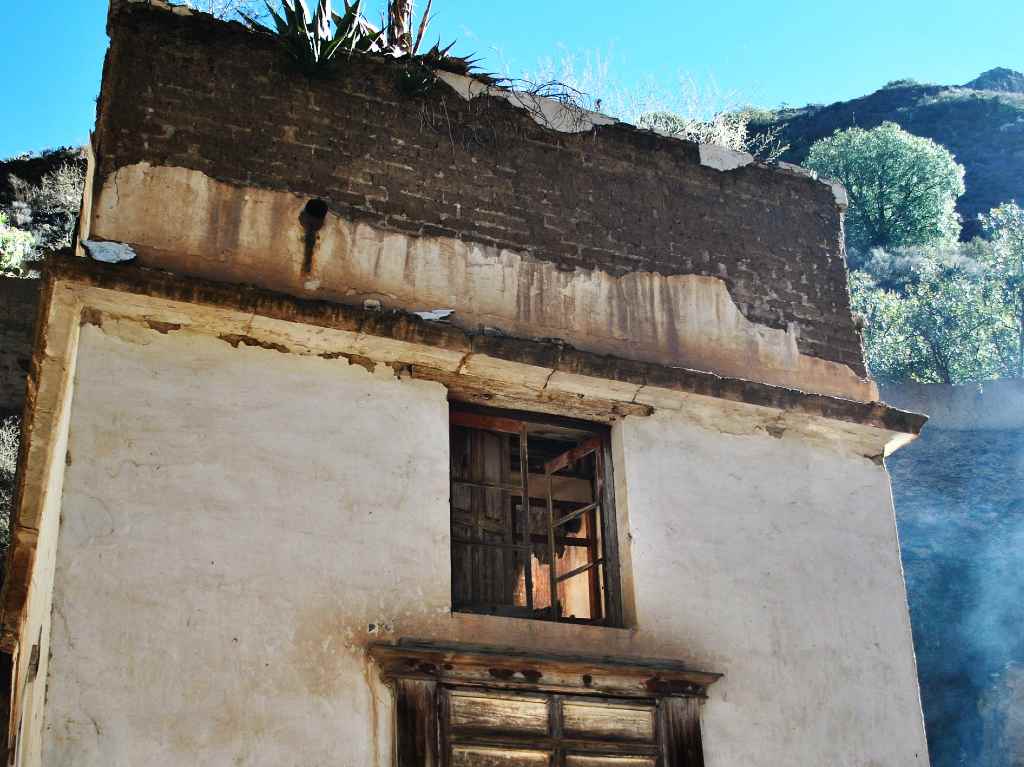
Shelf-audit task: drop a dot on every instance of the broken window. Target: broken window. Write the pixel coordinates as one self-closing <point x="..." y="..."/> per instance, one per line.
<point x="552" y="556"/>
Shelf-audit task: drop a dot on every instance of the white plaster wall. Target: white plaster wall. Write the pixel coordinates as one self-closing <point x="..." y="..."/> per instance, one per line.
<point x="220" y="544"/>
<point x="233" y="519"/>
<point x="778" y="565"/>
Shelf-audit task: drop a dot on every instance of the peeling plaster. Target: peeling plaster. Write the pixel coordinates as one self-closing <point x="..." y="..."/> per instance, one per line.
<point x="722" y="158"/>
<point x="839" y="192"/>
<point x="798" y="170"/>
<point x="680" y="320"/>
<point x="108" y="252"/>
<point x="544" y="111"/>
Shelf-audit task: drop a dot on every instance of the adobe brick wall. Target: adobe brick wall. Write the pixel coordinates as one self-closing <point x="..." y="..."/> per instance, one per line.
<point x="19" y="300"/>
<point x="192" y="92"/>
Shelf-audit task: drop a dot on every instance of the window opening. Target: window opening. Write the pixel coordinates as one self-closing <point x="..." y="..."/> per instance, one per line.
<point x="548" y="557"/>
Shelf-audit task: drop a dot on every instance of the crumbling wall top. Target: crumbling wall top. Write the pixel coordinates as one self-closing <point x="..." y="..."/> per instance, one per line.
<point x="463" y="162"/>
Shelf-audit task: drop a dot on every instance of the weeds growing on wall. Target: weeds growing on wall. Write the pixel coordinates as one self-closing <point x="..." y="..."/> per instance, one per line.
<point x="688" y="109"/>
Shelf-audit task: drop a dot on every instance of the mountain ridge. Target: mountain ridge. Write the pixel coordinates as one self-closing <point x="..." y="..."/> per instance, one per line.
<point x="982" y="126"/>
<point x="998" y="79"/>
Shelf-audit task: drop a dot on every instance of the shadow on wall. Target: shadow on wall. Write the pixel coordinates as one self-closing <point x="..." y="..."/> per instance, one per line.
<point x="959" y="494"/>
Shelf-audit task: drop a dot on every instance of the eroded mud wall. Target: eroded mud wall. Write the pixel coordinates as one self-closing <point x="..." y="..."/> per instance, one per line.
<point x="209" y="143"/>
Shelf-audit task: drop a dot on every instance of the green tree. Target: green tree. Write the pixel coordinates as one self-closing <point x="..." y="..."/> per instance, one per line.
<point x="1005" y="227"/>
<point x="946" y="323"/>
<point x="903" y="188"/>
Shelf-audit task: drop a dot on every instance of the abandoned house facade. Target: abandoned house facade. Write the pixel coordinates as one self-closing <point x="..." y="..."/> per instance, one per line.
<point x="450" y="427"/>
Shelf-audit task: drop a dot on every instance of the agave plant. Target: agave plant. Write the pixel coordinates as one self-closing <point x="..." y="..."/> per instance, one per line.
<point x="397" y="39"/>
<point x="442" y="58"/>
<point x="417" y="76"/>
<point x="316" y="39"/>
<point x="310" y="39"/>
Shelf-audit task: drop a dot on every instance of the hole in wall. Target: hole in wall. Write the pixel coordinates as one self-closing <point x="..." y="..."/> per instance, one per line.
<point x="316" y="208"/>
<point x="312" y="221"/>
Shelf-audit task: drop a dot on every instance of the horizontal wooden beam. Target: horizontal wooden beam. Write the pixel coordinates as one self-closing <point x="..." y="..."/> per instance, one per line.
<point x="508" y="668"/>
<point x="408" y="332"/>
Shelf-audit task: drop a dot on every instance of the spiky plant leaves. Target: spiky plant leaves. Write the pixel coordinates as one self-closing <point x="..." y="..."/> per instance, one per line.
<point x="301" y="5"/>
<point x="415" y="78"/>
<point x="309" y="37"/>
<point x="315" y="46"/>
<point x="356" y="33"/>
<point x="442" y="58"/>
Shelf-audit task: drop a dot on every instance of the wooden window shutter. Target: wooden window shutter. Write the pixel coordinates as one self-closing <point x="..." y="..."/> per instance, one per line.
<point x="477" y="707"/>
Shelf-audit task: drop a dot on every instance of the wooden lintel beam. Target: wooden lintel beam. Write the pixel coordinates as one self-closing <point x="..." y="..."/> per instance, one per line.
<point x="514" y="669"/>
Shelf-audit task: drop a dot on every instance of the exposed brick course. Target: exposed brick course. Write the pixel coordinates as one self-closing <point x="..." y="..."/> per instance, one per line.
<point x="193" y="92"/>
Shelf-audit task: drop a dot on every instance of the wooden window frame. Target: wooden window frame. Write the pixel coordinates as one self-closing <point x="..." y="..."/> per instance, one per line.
<point x="603" y="555"/>
<point x="423" y="673"/>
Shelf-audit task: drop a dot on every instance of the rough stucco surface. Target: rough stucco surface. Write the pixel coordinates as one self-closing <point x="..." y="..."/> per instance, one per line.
<point x="192" y="93"/>
<point x="959" y="492"/>
<point x="233" y="519"/>
<point x="784" y="573"/>
<point x="221" y="542"/>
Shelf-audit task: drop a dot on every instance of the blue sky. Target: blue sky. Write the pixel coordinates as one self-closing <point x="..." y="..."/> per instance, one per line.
<point x="790" y="51"/>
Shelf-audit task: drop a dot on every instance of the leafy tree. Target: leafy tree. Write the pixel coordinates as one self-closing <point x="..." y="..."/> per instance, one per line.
<point x="943" y="322"/>
<point x="903" y="188"/>
<point x="897" y="268"/>
<point x="1005" y="227"/>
